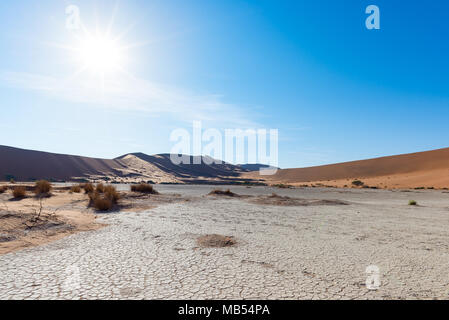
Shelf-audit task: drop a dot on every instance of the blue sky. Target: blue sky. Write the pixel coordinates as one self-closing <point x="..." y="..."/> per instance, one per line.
<point x="335" y="90"/>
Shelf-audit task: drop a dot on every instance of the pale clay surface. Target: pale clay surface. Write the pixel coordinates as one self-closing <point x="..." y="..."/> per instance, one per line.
<point x="283" y="252"/>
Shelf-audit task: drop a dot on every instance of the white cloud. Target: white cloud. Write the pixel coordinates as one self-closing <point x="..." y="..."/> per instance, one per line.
<point x="133" y="94"/>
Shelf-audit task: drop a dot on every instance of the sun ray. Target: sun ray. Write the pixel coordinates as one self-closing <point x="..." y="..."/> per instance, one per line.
<point x="112" y="20"/>
<point x="100" y="54"/>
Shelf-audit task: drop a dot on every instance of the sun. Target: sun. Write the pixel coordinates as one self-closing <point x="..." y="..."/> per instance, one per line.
<point x="100" y="54"/>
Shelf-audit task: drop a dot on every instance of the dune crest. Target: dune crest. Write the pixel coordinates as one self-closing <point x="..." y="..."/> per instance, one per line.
<point x="422" y="169"/>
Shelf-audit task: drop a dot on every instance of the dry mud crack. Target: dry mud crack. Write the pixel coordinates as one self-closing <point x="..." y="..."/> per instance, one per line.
<point x="283" y="252"/>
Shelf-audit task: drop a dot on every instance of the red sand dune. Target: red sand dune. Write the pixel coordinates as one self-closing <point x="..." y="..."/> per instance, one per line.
<point x="422" y="169"/>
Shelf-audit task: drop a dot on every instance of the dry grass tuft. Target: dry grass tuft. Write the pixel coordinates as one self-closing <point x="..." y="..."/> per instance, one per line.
<point x="219" y="192"/>
<point x="282" y="186"/>
<point x="88" y="188"/>
<point x="103" y="204"/>
<point x="75" y="189"/>
<point x="143" y="188"/>
<point x="111" y="193"/>
<point x="358" y="183"/>
<point x="100" y="188"/>
<point x="104" y="201"/>
<point x="19" y="192"/>
<point x="215" y="241"/>
<point x="42" y="188"/>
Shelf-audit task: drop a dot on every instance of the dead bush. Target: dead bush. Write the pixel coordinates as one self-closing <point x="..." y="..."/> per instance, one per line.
<point x="219" y="192"/>
<point x="3" y="189"/>
<point x="100" y="188"/>
<point x="143" y="188"/>
<point x="111" y="193"/>
<point x="104" y="201"/>
<point x="42" y="188"/>
<point x="19" y="192"/>
<point x="88" y="188"/>
<point x="282" y="186"/>
<point x="75" y="189"/>
<point x="358" y="183"/>
<point x="103" y="204"/>
<point x="215" y="241"/>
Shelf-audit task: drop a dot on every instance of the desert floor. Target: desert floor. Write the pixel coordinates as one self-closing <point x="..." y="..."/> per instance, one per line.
<point x="285" y="249"/>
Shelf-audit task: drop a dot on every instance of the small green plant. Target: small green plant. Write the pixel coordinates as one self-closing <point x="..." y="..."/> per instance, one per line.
<point x="412" y="203"/>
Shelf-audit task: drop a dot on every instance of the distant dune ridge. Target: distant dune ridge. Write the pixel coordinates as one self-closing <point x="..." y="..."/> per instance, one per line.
<point x="28" y="165"/>
<point x="422" y="169"/>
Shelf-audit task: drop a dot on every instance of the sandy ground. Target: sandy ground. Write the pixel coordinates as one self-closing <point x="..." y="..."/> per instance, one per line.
<point x="61" y="215"/>
<point x="318" y="248"/>
<point x="430" y="179"/>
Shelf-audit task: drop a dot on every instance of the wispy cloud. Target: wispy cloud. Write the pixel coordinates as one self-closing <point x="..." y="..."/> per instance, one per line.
<point x="133" y="95"/>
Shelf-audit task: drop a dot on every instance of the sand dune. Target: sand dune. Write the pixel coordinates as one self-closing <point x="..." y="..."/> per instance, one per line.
<point x="422" y="169"/>
<point x="28" y="165"/>
<point x="163" y="163"/>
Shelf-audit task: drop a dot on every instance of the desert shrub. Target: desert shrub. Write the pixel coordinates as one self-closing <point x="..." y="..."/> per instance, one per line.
<point x="100" y="188"/>
<point x="216" y="241"/>
<point x="3" y="189"/>
<point x="357" y="183"/>
<point x="219" y="192"/>
<point x="111" y="193"/>
<point x="12" y="180"/>
<point x="42" y="187"/>
<point x="92" y="196"/>
<point x="103" y="204"/>
<point x="282" y="186"/>
<point x="19" y="192"/>
<point x="75" y="189"/>
<point x="143" y="188"/>
<point x="412" y="203"/>
<point x="104" y="201"/>
<point x="88" y="188"/>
